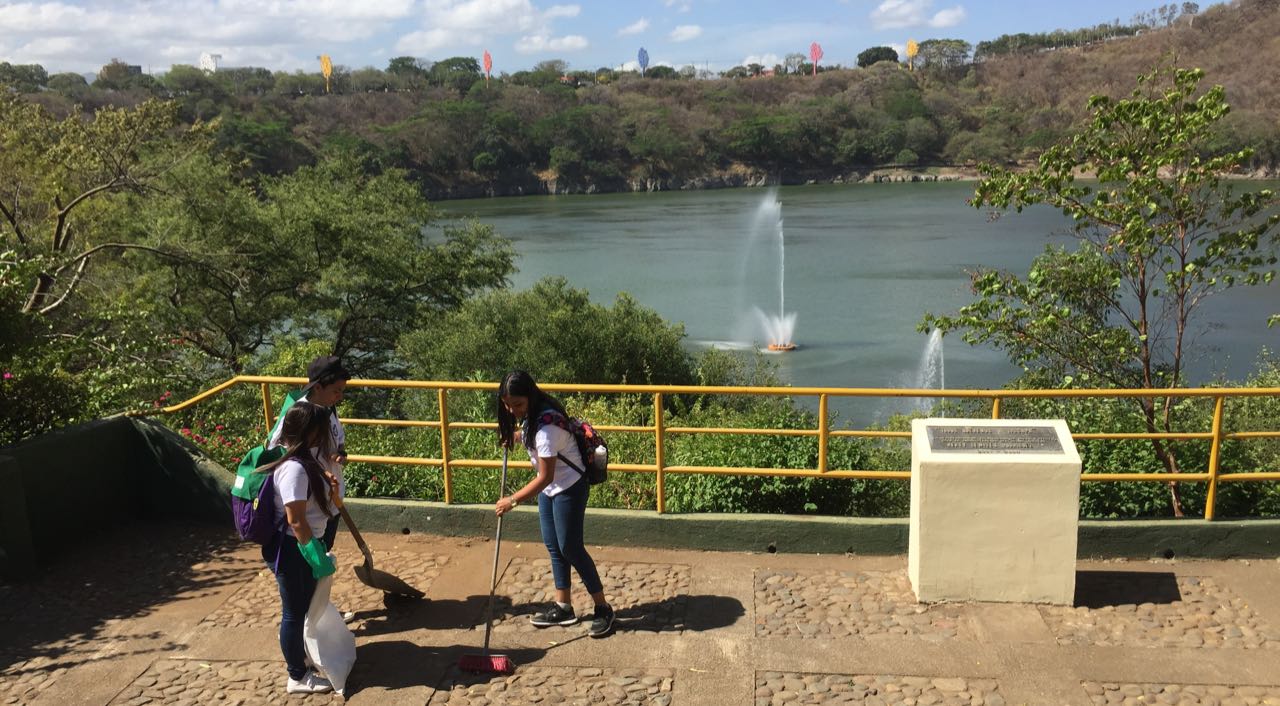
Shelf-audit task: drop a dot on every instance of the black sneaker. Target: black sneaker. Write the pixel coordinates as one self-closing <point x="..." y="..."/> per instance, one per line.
<point x="602" y="623"/>
<point x="555" y="615"/>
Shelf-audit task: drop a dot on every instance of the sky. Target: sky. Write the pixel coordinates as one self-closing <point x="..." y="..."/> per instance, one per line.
<point x="82" y="35"/>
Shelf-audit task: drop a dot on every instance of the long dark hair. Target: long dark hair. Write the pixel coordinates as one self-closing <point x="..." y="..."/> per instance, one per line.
<point x="302" y="422"/>
<point x="519" y="383"/>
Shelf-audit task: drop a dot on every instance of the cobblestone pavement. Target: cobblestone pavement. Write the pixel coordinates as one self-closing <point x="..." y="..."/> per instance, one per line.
<point x="257" y="603"/>
<point x="158" y="615"/>
<point x="550" y="685"/>
<point x="774" y="688"/>
<point x="81" y="609"/>
<point x="188" y="682"/>
<point x="1186" y="611"/>
<point x="644" y="596"/>
<point x="1182" y="694"/>
<point x="22" y="681"/>
<point x="848" y="603"/>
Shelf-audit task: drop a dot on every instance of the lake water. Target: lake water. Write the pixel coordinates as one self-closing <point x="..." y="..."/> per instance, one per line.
<point x="863" y="263"/>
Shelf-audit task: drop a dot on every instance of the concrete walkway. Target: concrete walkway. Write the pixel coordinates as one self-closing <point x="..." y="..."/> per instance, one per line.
<point x="169" y="614"/>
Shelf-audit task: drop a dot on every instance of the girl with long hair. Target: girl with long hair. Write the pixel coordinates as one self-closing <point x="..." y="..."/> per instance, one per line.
<point x="307" y="497"/>
<point x="561" y="491"/>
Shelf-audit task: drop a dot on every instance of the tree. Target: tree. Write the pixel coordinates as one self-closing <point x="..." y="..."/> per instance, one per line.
<point x="877" y="54"/>
<point x="24" y="78"/>
<point x="457" y="72"/>
<point x="408" y="67"/>
<point x="489" y="335"/>
<point x="944" y="54"/>
<point x="1159" y="233"/>
<point x="792" y="62"/>
<point x="58" y="174"/>
<point x="559" y="67"/>
<point x="118" y="76"/>
<point x="69" y="84"/>
<point x="1190" y="10"/>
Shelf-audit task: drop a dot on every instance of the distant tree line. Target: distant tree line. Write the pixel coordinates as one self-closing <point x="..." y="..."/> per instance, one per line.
<point x="457" y="133"/>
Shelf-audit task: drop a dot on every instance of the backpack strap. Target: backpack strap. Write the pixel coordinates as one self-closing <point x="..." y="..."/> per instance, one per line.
<point x="551" y="416"/>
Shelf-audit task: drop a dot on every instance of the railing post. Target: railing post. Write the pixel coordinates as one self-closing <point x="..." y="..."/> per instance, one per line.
<point x="822" y="433"/>
<point x="1215" y="453"/>
<point x="995" y="408"/>
<point x="443" y="396"/>
<point x="659" y="460"/>
<point x="266" y="408"/>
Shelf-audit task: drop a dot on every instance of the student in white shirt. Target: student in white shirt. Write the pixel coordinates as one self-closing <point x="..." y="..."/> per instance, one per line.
<point x="307" y="496"/>
<point x="327" y="381"/>
<point x="561" y="492"/>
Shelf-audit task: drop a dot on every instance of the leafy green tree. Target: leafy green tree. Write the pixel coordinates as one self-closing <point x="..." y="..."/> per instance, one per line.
<point x="943" y="56"/>
<point x="457" y="72"/>
<point x="59" y="175"/>
<point x="876" y="54"/>
<point x="368" y="259"/>
<point x="555" y="332"/>
<point x="69" y="84"/>
<point x="24" y="78"/>
<point x="119" y="76"/>
<point x="1160" y="231"/>
<point x="410" y="69"/>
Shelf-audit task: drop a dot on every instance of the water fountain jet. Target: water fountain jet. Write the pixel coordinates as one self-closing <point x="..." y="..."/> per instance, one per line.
<point x="778" y="328"/>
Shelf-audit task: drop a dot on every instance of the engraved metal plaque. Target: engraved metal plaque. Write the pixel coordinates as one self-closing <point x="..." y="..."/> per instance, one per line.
<point x="994" y="440"/>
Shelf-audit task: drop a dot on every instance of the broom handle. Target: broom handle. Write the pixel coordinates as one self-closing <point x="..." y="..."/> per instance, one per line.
<point x="497" y="544"/>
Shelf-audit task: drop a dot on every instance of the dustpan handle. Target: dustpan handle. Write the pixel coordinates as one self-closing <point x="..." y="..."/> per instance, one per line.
<point x="364" y="548"/>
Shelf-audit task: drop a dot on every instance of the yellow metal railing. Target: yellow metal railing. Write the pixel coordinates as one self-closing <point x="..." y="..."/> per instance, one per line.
<point x="1212" y="475"/>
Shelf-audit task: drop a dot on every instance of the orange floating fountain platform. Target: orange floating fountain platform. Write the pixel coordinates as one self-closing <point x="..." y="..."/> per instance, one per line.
<point x="782" y="347"/>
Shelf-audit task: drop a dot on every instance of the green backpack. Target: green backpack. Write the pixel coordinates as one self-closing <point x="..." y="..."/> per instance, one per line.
<point x="255" y="515"/>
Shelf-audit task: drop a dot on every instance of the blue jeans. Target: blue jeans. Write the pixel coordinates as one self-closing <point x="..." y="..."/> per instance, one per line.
<point x="562" y="518"/>
<point x="293" y="574"/>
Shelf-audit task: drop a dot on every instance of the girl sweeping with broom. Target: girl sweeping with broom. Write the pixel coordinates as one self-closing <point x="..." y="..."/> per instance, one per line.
<point x="561" y="492"/>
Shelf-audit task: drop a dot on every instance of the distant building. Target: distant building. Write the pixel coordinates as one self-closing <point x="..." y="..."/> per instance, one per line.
<point x="209" y="62"/>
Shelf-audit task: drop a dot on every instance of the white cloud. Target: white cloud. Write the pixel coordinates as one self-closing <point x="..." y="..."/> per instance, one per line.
<point x="949" y="18"/>
<point x="534" y="43"/>
<point x="765" y="60"/>
<point x="636" y="27"/>
<point x="684" y="33"/>
<point x="458" y="24"/>
<point x="563" y="11"/>
<point x="155" y="33"/>
<point x="897" y="14"/>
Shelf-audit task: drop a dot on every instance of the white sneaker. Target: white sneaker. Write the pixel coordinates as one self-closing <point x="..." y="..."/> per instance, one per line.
<point x="310" y="683"/>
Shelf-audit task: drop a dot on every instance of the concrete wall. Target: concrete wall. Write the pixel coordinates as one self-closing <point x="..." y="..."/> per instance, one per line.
<point x="102" y="473"/>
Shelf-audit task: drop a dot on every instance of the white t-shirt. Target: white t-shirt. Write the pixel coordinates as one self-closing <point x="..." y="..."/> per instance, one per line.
<point x="337" y="439"/>
<point x="291" y="486"/>
<point x="550" y="441"/>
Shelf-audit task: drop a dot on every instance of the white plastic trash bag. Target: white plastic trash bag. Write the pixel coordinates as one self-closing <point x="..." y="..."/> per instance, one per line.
<point x="329" y="643"/>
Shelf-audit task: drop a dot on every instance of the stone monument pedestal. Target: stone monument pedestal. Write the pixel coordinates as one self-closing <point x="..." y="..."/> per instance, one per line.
<point x="995" y="506"/>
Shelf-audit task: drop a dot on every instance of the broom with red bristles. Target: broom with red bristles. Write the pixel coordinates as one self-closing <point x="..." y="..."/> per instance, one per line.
<point x="499" y="664"/>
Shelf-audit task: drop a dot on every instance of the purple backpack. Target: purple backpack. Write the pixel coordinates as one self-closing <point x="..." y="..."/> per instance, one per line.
<point x="253" y="502"/>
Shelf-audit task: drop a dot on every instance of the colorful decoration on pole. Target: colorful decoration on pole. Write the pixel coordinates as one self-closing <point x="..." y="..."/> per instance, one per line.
<point x="815" y="53"/>
<point x="488" y="66"/>
<point x="326" y="68"/>
<point x="643" y="58"/>
<point x="912" y="50"/>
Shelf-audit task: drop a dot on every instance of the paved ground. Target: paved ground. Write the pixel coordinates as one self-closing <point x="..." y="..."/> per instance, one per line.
<point x="175" y="615"/>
